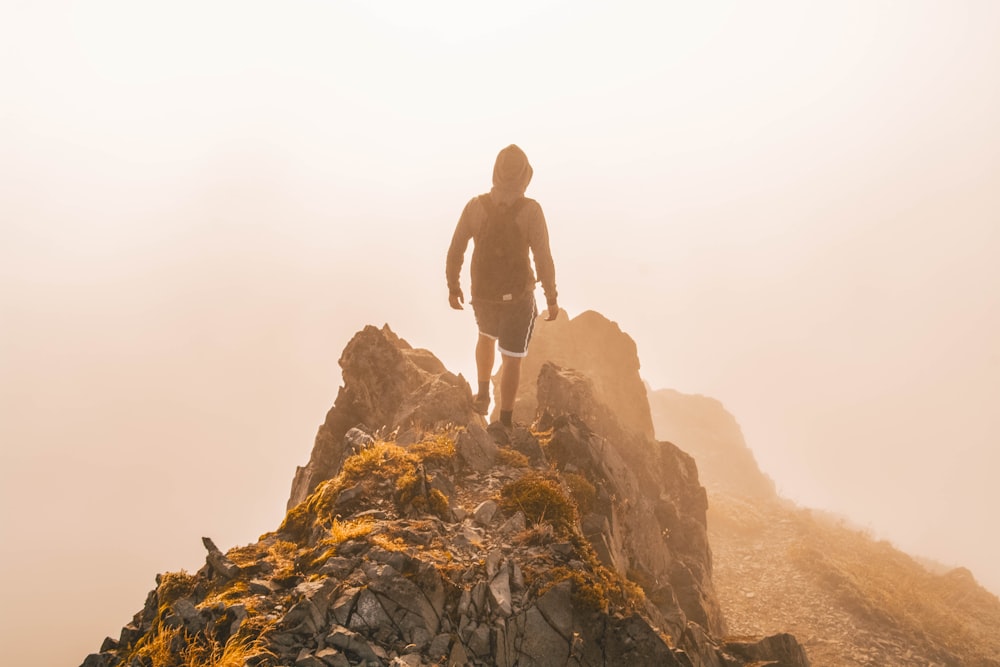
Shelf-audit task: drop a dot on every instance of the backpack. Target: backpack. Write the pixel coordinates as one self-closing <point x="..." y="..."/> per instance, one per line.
<point x="501" y="270"/>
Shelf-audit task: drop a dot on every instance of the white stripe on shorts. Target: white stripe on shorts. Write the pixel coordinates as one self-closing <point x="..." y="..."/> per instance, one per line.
<point x="527" y="336"/>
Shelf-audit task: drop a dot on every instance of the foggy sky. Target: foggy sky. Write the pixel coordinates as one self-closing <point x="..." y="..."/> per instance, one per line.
<point x="793" y="209"/>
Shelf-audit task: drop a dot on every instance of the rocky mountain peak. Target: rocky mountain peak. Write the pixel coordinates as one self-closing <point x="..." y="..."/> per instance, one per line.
<point x="417" y="536"/>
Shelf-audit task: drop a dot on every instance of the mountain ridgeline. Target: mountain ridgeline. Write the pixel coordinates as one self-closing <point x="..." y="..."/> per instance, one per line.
<point x="414" y="536"/>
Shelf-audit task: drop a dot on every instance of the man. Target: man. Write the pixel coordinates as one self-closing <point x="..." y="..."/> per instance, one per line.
<point x="504" y="225"/>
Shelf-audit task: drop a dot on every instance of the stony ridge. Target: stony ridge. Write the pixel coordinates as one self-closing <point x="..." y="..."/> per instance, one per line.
<point x="421" y="538"/>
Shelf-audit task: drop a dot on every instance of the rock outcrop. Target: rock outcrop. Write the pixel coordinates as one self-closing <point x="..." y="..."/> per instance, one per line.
<point x="650" y="523"/>
<point x="710" y="433"/>
<point x="597" y="346"/>
<point x="422" y="538"/>
<point x="387" y="383"/>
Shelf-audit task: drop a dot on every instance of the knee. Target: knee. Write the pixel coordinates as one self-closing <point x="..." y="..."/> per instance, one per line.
<point x="513" y="363"/>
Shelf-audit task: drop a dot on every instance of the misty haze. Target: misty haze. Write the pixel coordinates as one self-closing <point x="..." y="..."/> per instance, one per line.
<point x="774" y="233"/>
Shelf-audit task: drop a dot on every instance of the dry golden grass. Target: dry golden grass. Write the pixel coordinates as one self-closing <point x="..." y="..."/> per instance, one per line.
<point x="542" y="499"/>
<point x="383" y="466"/>
<point x="173" y="586"/>
<point x="171" y="647"/>
<point x="340" y="532"/>
<point x="436" y="449"/>
<point x="888" y="588"/>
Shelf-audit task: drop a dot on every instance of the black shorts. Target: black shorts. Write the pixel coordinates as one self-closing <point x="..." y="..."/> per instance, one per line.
<point x="509" y="323"/>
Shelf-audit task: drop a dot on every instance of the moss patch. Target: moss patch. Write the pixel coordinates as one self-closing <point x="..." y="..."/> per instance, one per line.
<point x="542" y="499"/>
<point x="513" y="458"/>
<point x="436" y="450"/>
<point x="583" y="492"/>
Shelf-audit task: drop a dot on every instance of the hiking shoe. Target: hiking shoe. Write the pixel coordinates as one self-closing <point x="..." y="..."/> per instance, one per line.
<point x="481" y="403"/>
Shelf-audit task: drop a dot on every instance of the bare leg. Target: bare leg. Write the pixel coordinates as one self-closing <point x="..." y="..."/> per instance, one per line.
<point x="510" y="376"/>
<point x="485" y="356"/>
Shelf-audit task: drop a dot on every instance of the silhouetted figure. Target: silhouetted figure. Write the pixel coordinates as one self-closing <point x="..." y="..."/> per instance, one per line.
<point x="504" y="225"/>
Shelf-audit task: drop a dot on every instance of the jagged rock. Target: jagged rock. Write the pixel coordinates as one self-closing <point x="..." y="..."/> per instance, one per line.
<point x="484" y="512"/>
<point x="303" y="619"/>
<point x="343" y="607"/>
<point x="702" y="650"/>
<point x="557" y="608"/>
<point x="651" y="508"/>
<point x="479" y="641"/>
<point x="306" y="658"/>
<point x="522" y="441"/>
<point x="541" y="644"/>
<point x="458" y="657"/>
<point x="500" y="598"/>
<point x="439" y="647"/>
<point x="221" y="565"/>
<point x="351" y="643"/>
<point x="594" y="344"/>
<point x="781" y="650"/>
<point x="476" y="448"/>
<point x="638" y="645"/>
<point x="416" y="613"/>
<point x="387" y="384"/>
<point x="186" y="615"/>
<point x="130" y="634"/>
<point x="263" y="586"/>
<point x="493" y="560"/>
<point x="319" y="593"/>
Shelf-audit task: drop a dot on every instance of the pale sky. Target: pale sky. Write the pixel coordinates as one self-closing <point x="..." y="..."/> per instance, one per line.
<point x="791" y="207"/>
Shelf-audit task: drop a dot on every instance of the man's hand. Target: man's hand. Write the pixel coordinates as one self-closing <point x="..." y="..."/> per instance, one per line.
<point x="553" y="311"/>
<point x="456" y="299"/>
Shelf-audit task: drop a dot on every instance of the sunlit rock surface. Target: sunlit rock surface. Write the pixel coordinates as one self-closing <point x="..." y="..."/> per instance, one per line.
<point x="415" y="537"/>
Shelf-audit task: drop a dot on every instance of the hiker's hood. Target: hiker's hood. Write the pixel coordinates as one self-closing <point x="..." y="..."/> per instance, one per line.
<point x="511" y="174"/>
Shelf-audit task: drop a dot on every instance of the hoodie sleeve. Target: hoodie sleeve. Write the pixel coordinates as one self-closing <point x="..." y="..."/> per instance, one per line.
<point x="456" y="251"/>
<point x="538" y="241"/>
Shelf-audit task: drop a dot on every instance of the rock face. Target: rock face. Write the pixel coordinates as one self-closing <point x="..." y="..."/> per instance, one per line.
<point x="423" y="539"/>
<point x="597" y="346"/>
<point x="707" y="431"/>
<point x="387" y="384"/>
<point x="657" y="529"/>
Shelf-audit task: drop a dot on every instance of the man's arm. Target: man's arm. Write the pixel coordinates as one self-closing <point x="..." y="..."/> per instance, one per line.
<point x="538" y="241"/>
<point x="456" y="257"/>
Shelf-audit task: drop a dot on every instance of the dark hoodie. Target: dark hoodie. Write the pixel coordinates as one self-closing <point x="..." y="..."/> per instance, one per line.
<point x="511" y="175"/>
